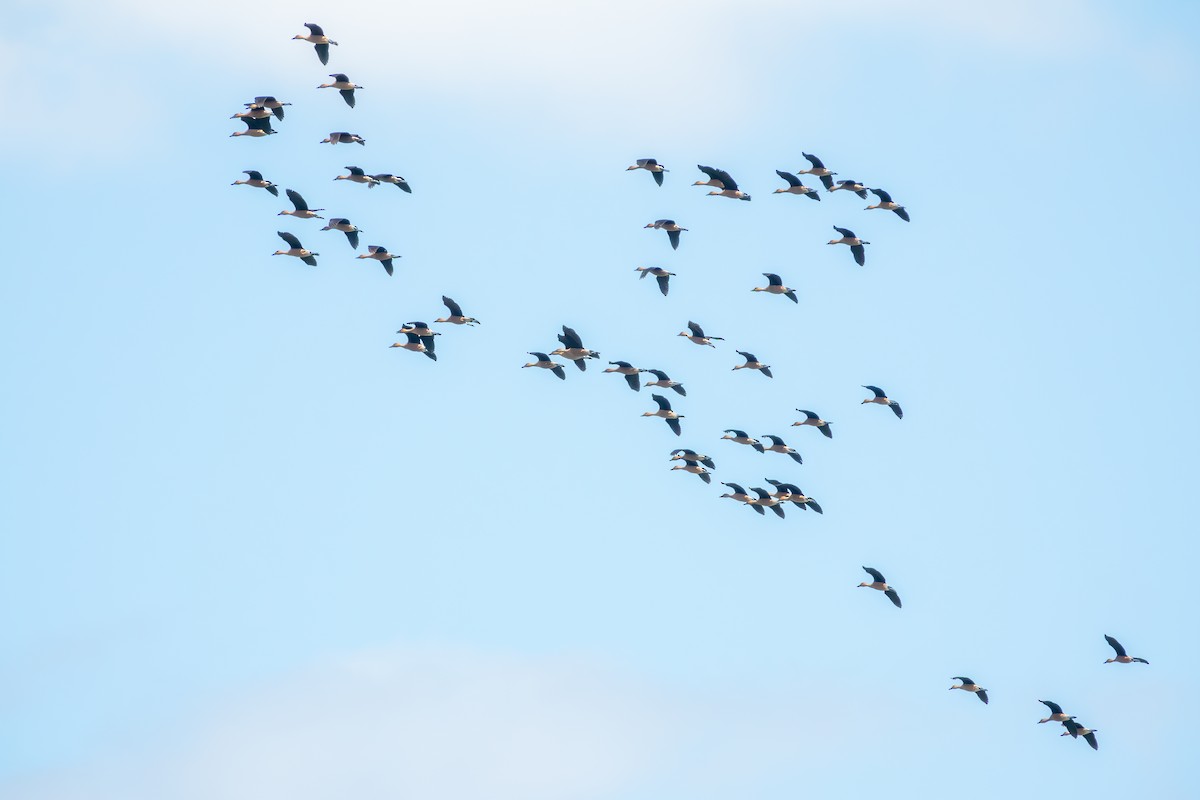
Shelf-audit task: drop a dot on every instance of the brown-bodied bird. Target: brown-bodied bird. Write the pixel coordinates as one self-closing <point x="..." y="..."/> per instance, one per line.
<point x="856" y="244"/>
<point x="880" y="584"/>
<point x="881" y="398"/>
<point x="320" y="42"/>
<point x="652" y="166"/>
<point x="1121" y="658"/>
<point x="664" y="411"/>
<point x="969" y="685"/>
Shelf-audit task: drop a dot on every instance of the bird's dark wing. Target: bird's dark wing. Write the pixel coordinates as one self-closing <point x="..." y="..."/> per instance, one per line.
<point x="982" y="695"/>
<point x="387" y="266"/>
<point x="426" y="340"/>
<point x="570" y="338"/>
<point x="778" y="511"/>
<point x="356" y="170"/>
<point x="767" y="371"/>
<point x="727" y="180"/>
<point x="290" y="239"/>
<point x="663" y="280"/>
<point x="704" y="476"/>
<point x="314" y="30"/>
<point x="796" y="457"/>
<point x="895" y="407"/>
<point x="455" y="310"/>
<point x="663" y="403"/>
<point x="634" y="382"/>
<point x="673" y="237"/>
<point x="696" y="330"/>
<point x="708" y="462"/>
<point x="825" y="430"/>
<point x="322" y="52"/>
<point x="846" y="232"/>
<point x="1141" y="661"/>
<point x="748" y="356"/>
<point x="735" y="486"/>
<point x="878" y="392"/>
<point x="816" y="162"/>
<point x="1072" y="727"/>
<point x="582" y="364"/>
<point x="736" y="432"/>
<point x="712" y="172"/>
<point x="814" y="506"/>
<point x="895" y="598"/>
<point x="808" y="414"/>
<point x="273" y="190"/>
<point x="539" y="356"/>
<point x="558" y="370"/>
<point x="262" y="124"/>
<point x="254" y="174"/>
<point x="792" y="296"/>
<point x="902" y="214"/>
<point x="791" y="179"/>
<point x="339" y="77"/>
<point x="961" y="678"/>
<point x="348" y="96"/>
<point x="876" y="574"/>
<point x="882" y="195"/>
<point x="673" y="424"/>
<point x="862" y="193"/>
<point x="353" y="237"/>
<point x="860" y="254"/>
<point x="773" y="279"/>
<point x="774" y="439"/>
<point x="1055" y="708"/>
<point x="827" y="181"/>
<point x="658" y="177"/>
<point x="1090" y="738"/>
<point x="297" y="200"/>
<point x="312" y="262"/>
<point x="813" y="195"/>
<point x="1115" y="645"/>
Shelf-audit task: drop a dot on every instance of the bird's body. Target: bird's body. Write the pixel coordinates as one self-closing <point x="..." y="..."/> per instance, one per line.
<point x="739" y="494"/>
<point x="380" y="254"/>
<point x="1056" y="712"/>
<point x="969" y="685"/>
<point x="722" y="181"/>
<point x="882" y="399"/>
<point x="256" y="127"/>
<point x="880" y="584"/>
<point x="695" y="469"/>
<point x="665" y="411"/>
<point x="775" y="286"/>
<point x="572" y="348"/>
<point x="779" y="446"/>
<point x="815" y="421"/>
<point x="345" y="226"/>
<point x="663" y="381"/>
<point x="357" y="175"/>
<point x="766" y="500"/>
<point x="415" y="344"/>
<point x="887" y="204"/>
<point x="456" y="315"/>
<point x="295" y="249"/>
<point x="855" y="243"/>
<point x="672" y="229"/>
<point x="341" y="137"/>
<point x="344" y="85"/>
<point x="697" y="335"/>
<point x="316" y="37"/>
<point x="660" y="274"/>
<point x="1121" y="657"/>
<point x="859" y="189"/>
<point x="394" y="180"/>
<point x="684" y="454"/>
<point x="652" y="166"/>
<point x="818" y="170"/>
<point x="1075" y="730"/>
<point x="795" y="186"/>
<point x="740" y="437"/>
<point x="258" y="181"/>
<point x="544" y="362"/>
<point x="630" y="372"/>
<point x="752" y="362"/>
<point x="301" y="209"/>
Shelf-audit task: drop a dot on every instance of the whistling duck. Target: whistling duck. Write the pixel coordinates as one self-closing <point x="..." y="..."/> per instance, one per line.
<point x="685" y="454"/>
<point x="1056" y="712"/>
<point x="357" y="175"/>
<point x="856" y="244"/>
<point x="775" y="286"/>
<point x="345" y="226"/>
<point x="344" y="86"/>
<point x="969" y="685"/>
<point x="794" y="186"/>
<point x="695" y="469"/>
<point x="722" y="181"/>
<point x="881" y="585"/>
<point x="670" y="227"/>
<point x="740" y="437"/>
<point x="886" y="203"/>
<point x="1121" y="657"/>
<point x="456" y="315"/>
<point x="380" y="254"/>
<point x="629" y="371"/>
<point x="318" y="39"/>
<point x="256" y="127"/>
<point x="544" y="362"/>
<point x="766" y="500"/>
<point x="572" y="348"/>
<point x="739" y="494"/>
<point x="652" y="166"/>
<point x="881" y="398"/>
<point x="302" y="211"/>
<point x="395" y="180"/>
<point x="660" y="274"/>
<point x="268" y="101"/>
<point x="341" y="137"/>
<point x="815" y="421"/>
<point x="859" y="189"/>
<point x="254" y="111"/>
<point x="1075" y="730"/>
<point x="752" y="362"/>
<point x="421" y="330"/>
<point x="790" y="492"/>
<point x="664" y="411"/>
<point x="295" y="249"/>
<point x="697" y="335"/>
<point x="778" y="446"/>
<point x="415" y="344"/>
<point x="664" y="381"/>
<point x="818" y="170"/>
<point x="258" y="181"/>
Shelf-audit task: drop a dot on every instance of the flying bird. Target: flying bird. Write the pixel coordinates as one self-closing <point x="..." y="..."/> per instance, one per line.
<point x="790" y="492"/>
<point x="258" y="181"/>
<point x="775" y="286"/>
<point x="859" y="189"/>
<point x="722" y="181"/>
<point x="415" y="344"/>
<point x="697" y="335"/>
<point x="652" y="166"/>
<point x="818" y="170"/>
<point x="856" y="244"/>
<point x="886" y="203"/>
<point x="422" y="331"/>
<point x="544" y="362"/>
<point x="295" y="249"/>
<point x="572" y="348"/>
<point x="752" y="362"/>
<point x="778" y="446"/>
<point x="664" y="381"/>
<point x="881" y="585"/>
<point x="380" y="254"/>
<point x="969" y="685"/>
<point x="815" y="421"/>
<point x="268" y="101"/>
<point x="256" y="127"/>
<point x="740" y="437"/>
<point x="1121" y="658"/>
<point x="318" y="39"/>
<point x="695" y="469"/>
<point x="670" y="227"/>
<point x="881" y="398"/>
<point x="629" y="371"/>
<point x="302" y="211"/>
<point x="660" y="274"/>
<point x="345" y="87"/>
<point x="345" y="226"/>
<point x="394" y="180"/>
<point x="456" y="315"/>
<point x="766" y="500"/>
<point x="794" y="186"/>
<point x="357" y="175"/>
<point x="664" y="411"/>
<point x="1075" y="730"/>
<point x="1056" y="712"/>
<point x="739" y="494"/>
<point x="341" y="137"/>
<point x="684" y="454"/>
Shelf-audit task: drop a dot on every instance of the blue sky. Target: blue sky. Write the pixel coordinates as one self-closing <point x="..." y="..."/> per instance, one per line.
<point x="254" y="552"/>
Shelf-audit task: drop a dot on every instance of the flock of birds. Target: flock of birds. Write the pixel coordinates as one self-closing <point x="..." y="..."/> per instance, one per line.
<point x="420" y="337"/>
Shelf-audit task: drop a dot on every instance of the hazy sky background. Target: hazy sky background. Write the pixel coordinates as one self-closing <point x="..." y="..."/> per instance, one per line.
<point x="252" y="552"/>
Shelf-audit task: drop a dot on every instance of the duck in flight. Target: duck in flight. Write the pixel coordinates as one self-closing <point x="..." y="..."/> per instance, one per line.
<point x="740" y="437"/>
<point x="344" y="85"/>
<point x="256" y="180"/>
<point x="722" y="181"/>
<point x="394" y="180"/>
<point x="652" y="166"/>
<point x="752" y="362"/>
<point x="1121" y="657"/>
<point x="358" y="175"/>
<point x="697" y="335"/>
<point x="660" y="274"/>
<point x="663" y="381"/>
<point x="456" y="315"/>
<point x="295" y="249"/>
<point x="775" y="286"/>
<point x="380" y="254"/>
<point x="544" y="362"/>
<point x="301" y="209"/>
<point x="684" y="454"/>
<point x="268" y="101"/>
<point x="739" y="494"/>
<point x="859" y="189"/>
<point x="256" y="127"/>
<point x="415" y="344"/>
<point x="880" y="584"/>
<point x="1056" y="712"/>
<point x="341" y="137"/>
<point x="779" y="446"/>
<point x="572" y="348"/>
<point x="320" y="42"/>
<point x="790" y="492"/>
<point x="887" y="204"/>
<point x="881" y="398"/>
<point x="694" y="468"/>
<point x="1075" y="730"/>
<point x="672" y="229"/>
<point x="856" y="244"/>
<point x="818" y="170"/>
<point x="664" y="411"/>
<point x="630" y="372"/>
<point x="794" y="186"/>
<point x="345" y="226"/>
<point x="815" y="421"/>
<point x="766" y="500"/>
<point x="969" y="685"/>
